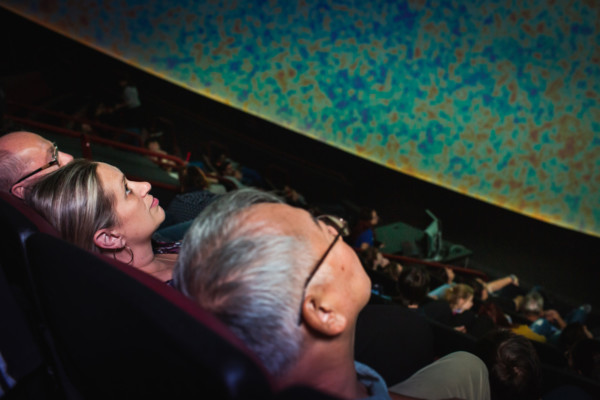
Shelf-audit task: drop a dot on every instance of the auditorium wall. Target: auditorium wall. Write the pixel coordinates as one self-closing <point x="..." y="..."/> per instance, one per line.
<point x="495" y="99"/>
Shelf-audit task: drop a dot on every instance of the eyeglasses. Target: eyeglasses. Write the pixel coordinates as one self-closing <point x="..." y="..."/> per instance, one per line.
<point x="52" y="162"/>
<point x="341" y="226"/>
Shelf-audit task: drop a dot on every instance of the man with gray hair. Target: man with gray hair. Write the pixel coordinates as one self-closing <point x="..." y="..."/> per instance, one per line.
<point x="24" y="157"/>
<point x="287" y="285"/>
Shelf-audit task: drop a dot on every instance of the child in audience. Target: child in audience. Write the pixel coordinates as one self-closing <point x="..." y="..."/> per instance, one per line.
<point x="460" y="298"/>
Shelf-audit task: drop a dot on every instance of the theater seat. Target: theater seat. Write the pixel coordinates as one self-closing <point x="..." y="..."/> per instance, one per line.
<point x="120" y="333"/>
<point x="393" y="340"/>
<point x="448" y="340"/>
<point x="555" y="377"/>
<point x="29" y="371"/>
<point x="106" y="330"/>
<point x="18" y="222"/>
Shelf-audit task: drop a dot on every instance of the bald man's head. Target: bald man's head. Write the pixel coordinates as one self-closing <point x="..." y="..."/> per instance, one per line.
<point x="24" y="157"/>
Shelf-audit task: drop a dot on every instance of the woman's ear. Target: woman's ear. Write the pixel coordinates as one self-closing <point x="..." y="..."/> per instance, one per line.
<point x="322" y="317"/>
<point x="109" y="239"/>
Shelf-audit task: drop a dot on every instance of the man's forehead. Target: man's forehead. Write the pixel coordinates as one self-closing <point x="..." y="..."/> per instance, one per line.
<point x="281" y="217"/>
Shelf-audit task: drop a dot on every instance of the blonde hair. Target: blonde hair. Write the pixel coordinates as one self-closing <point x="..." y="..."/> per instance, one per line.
<point x="73" y="201"/>
<point x="460" y="291"/>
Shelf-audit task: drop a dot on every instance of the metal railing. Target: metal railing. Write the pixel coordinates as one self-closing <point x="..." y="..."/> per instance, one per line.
<point x="66" y="117"/>
<point x="87" y="141"/>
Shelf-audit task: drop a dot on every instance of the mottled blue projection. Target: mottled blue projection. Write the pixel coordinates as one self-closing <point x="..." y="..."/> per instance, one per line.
<point x="499" y="100"/>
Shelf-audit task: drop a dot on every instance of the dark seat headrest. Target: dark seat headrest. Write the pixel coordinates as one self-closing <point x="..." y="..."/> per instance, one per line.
<point x="36" y="219"/>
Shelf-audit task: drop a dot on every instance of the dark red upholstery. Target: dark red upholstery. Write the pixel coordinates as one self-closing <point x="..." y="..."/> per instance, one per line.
<point x="26" y="353"/>
<point x="122" y="334"/>
<point x="108" y="330"/>
<point x="37" y="222"/>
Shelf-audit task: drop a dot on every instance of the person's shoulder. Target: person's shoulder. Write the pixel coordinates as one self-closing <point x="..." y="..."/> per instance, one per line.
<point x="526" y="331"/>
<point x="195" y="195"/>
<point x="373" y="382"/>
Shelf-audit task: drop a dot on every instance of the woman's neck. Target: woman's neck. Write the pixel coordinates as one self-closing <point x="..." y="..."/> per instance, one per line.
<point x="145" y="260"/>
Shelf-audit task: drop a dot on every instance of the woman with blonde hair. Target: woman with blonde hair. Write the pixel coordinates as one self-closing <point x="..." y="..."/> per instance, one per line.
<point x="460" y="298"/>
<point x="94" y="206"/>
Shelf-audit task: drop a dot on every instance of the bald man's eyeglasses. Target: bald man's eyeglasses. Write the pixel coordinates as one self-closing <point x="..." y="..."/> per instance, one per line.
<point x="52" y="162"/>
<point x="341" y="226"/>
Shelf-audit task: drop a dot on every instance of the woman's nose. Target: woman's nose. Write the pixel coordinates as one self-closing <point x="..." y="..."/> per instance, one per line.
<point x="147" y="186"/>
<point x="143" y="188"/>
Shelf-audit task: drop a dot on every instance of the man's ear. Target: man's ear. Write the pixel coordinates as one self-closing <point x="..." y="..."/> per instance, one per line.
<point x="322" y="317"/>
<point x="109" y="239"/>
<point x="19" y="191"/>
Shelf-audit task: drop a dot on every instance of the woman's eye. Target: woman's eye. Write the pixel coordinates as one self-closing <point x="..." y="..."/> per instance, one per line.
<point x="127" y="190"/>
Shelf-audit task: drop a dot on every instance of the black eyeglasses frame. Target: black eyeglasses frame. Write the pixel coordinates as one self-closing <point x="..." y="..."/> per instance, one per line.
<point x="52" y="162"/>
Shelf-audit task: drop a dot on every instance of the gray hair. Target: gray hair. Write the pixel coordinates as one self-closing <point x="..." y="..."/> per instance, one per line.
<point x="73" y="201"/>
<point x="12" y="167"/>
<point x="533" y="303"/>
<point x="246" y="273"/>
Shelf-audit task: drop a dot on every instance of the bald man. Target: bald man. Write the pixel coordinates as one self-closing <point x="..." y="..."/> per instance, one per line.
<point x="25" y="157"/>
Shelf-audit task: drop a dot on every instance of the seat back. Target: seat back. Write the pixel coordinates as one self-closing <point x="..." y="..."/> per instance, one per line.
<point x="19" y="350"/>
<point x="394" y="341"/>
<point x="549" y="354"/>
<point x="554" y="377"/>
<point x="18" y="222"/>
<point x="25" y="353"/>
<point x="448" y="340"/>
<point x="120" y="333"/>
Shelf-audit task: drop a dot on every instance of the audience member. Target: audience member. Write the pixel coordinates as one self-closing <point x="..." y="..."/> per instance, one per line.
<point x="95" y="207"/>
<point x="515" y="371"/>
<point x="363" y="234"/>
<point x="231" y="174"/>
<point x="383" y="274"/>
<point x="460" y="299"/>
<point x="372" y="259"/>
<point x="413" y="285"/>
<point x="585" y="358"/>
<point x="483" y="291"/>
<point x="194" y="196"/>
<point x="487" y="311"/>
<point x="504" y="292"/>
<point x="272" y="273"/>
<point x="24" y="157"/>
<point x="153" y="144"/>
<point x="489" y="316"/>
<point x="293" y="198"/>
<point x="130" y="110"/>
<point x="572" y="334"/>
<point x="243" y="176"/>
<point x="549" y="323"/>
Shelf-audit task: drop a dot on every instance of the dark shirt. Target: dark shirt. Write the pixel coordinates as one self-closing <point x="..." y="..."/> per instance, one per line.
<point x="186" y="206"/>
